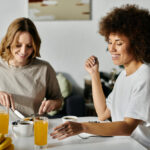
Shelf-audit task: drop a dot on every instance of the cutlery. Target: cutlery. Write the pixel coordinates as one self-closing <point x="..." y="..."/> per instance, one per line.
<point x="18" y="114"/>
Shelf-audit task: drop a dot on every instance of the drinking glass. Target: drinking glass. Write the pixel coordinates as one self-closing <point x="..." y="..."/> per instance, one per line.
<point x="40" y="132"/>
<point x="4" y="119"/>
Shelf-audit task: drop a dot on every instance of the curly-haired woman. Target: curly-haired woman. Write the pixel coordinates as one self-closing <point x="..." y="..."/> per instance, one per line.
<point x="127" y="31"/>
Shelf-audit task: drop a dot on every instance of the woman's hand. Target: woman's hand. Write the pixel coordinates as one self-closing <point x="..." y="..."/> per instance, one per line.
<point x="6" y="100"/>
<point x="92" y="65"/>
<point x="67" y="129"/>
<point x="49" y="105"/>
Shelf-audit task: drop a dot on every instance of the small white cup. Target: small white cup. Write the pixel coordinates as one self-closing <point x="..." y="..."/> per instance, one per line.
<point x="69" y="118"/>
<point x="23" y="128"/>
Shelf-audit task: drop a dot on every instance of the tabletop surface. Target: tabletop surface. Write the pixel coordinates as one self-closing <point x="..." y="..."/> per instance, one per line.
<point x="76" y="142"/>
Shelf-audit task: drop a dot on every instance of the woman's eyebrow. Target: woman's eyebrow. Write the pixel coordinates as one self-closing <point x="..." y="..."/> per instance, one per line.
<point x="115" y="40"/>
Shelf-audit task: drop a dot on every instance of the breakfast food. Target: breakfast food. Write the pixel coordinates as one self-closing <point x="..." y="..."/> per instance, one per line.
<point x="24" y="123"/>
<point x="6" y="143"/>
<point x="10" y="147"/>
<point x="2" y="137"/>
<point x="28" y="119"/>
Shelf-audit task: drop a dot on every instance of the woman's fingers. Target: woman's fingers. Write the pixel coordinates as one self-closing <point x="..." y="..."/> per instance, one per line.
<point x="2" y="98"/>
<point x="61" y="127"/>
<point x="41" y="109"/>
<point x="91" y="61"/>
<point x="67" y="129"/>
<point x="65" y="135"/>
<point x="62" y="132"/>
<point x="47" y="106"/>
<point x="6" y="100"/>
<point x="92" y="65"/>
<point x="2" y="101"/>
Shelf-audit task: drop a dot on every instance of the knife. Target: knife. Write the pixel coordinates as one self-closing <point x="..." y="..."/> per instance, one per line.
<point x="18" y="114"/>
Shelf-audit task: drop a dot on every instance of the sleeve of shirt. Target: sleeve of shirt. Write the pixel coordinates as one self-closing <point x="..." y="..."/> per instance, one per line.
<point x="139" y="106"/>
<point x="52" y="90"/>
<point x="109" y="101"/>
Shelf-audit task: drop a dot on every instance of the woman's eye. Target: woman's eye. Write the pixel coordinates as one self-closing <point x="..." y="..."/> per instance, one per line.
<point x="18" y="45"/>
<point x="119" y="44"/>
<point x="29" y="46"/>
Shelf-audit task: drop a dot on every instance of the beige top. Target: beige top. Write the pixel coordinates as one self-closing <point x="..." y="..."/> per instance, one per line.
<point x="29" y="84"/>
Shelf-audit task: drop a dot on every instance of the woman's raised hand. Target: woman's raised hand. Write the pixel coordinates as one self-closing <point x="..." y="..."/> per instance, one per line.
<point x="92" y="65"/>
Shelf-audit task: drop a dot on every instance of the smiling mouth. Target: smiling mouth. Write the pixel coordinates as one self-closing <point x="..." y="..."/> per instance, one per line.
<point x="115" y="56"/>
<point x="22" y="56"/>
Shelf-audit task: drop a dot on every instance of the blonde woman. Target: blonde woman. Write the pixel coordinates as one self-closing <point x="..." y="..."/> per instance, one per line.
<point x="26" y="80"/>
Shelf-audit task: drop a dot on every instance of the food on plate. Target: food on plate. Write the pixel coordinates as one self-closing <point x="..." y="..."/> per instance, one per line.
<point x="2" y="137"/>
<point x="10" y="147"/>
<point x="6" y="143"/>
<point x="28" y="119"/>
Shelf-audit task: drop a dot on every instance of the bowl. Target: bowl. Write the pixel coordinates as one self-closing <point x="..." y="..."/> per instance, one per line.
<point x="69" y="118"/>
<point x="22" y="128"/>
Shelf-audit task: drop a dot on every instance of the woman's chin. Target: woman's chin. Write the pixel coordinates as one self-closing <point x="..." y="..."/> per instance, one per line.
<point x="117" y="63"/>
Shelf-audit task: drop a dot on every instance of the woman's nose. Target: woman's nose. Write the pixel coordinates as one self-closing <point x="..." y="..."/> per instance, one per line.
<point x="23" y="49"/>
<point x="112" y="48"/>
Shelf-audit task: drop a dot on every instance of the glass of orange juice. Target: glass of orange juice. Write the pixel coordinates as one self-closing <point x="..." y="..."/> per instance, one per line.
<point x="4" y="119"/>
<point x="40" y="132"/>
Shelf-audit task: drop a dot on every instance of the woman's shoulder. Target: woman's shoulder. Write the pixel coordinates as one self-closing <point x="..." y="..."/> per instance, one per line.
<point x="144" y="70"/>
<point x="41" y="62"/>
<point x="3" y="62"/>
<point x="142" y="76"/>
<point x="121" y="75"/>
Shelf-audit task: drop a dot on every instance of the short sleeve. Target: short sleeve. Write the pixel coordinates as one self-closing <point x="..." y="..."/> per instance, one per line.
<point x="109" y="101"/>
<point x="139" y="106"/>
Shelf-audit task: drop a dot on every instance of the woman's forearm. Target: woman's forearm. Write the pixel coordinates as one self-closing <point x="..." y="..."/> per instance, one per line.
<point x="99" y="97"/>
<point x="110" y="129"/>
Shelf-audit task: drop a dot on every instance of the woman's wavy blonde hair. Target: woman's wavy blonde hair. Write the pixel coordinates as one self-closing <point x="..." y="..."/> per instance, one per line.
<point x="17" y="26"/>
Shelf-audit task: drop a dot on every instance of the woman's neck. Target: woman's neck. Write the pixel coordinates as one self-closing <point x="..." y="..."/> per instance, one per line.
<point x="16" y="64"/>
<point x="132" y="67"/>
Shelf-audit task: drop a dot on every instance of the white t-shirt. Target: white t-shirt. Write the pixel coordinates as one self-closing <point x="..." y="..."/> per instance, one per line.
<point x="131" y="98"/>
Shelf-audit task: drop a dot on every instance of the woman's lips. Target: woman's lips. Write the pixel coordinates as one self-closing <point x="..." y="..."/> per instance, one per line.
<point x="115" y="56"/>
<point x="22" y="56"/>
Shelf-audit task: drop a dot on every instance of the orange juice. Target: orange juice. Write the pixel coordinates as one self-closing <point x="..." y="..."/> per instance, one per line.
<point x="40" y="132"/>
<point x="4" y="121"/>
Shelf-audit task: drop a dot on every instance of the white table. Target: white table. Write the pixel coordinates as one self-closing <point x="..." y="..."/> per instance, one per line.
<point x="76" y="143"/>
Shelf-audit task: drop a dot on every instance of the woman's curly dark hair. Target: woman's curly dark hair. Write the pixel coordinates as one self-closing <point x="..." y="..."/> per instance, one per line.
<point x="134" y="23"/>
